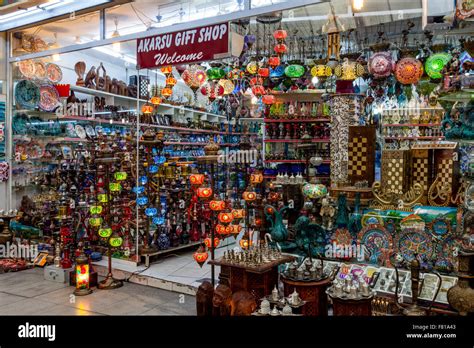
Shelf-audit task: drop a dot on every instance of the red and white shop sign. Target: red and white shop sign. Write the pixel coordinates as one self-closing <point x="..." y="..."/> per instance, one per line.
<point x="186" y="46"/>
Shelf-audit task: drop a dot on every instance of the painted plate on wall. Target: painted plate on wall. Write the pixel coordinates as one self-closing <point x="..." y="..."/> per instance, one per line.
<point x="412" y="241"/>
<point x="27" y="68"/>
<point x="377" y="241"/>
<point x="80" y="131"/>
<point x="27" y="94"/>
<point x="40" y="70"/>
<point x="49" y="98"/>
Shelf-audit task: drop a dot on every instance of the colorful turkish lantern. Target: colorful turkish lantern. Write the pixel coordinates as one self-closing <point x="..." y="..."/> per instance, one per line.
<point x="167" y="69"/>
<point x="221" y="229"/>
<point x="258" y="222"/>
<point x="225" y="218"/>
<point x="167" y="92"/>
<point x="207" y="242"/>
<point x="171" y="81"/>
<point x="408" y="70"/>
<point x="280" y="48"/>
<point x="255" y="81"/>
<point x="294" y="71"/>
<point x="381" y="65"/>
<point x="200" y="256"/>
<point x="227" y="85"/>
<point x="252" y="68"/>
<point x="215" y="74"/>
<point x="95" y="221"/>
<point x="268" y="99"/>
<point x="249" y="195"/>
<point x="321" y="70"/>
<point x="280" y="34"/>
<point x="212" y="90"/>
<point x="105" y="232"/>
<point x="217" y="205"/>
<point x="155" y="100"/>
<point x="236" y="229"/>
<point x="279" y="71"/>
<point x="258" y="90"/>
<point x="256" y="178"/>
<point x="196" y="179"/>
<point x="245" y="242"/>
<point x="238" y="213"/>
<point x="82" y="276"/>
<point x="115" y="241"/>
<point x="235" y="74"/>
<point x="147" y="109"/>
<point x="274" y="61"/>
<point x="204" y="192"/>
<point x="435" y="64"/>
<point x="349" y="71"/>
<point x="194" y="76"/>
<point x="264" y="72"/>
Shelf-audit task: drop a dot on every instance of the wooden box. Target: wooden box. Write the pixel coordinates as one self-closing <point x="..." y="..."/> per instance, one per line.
<point x="396" y="170"/>
<point x="361" y="154"/>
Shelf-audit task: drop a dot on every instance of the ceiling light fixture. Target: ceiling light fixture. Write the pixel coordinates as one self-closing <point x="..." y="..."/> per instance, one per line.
<point x="116" y="45"/>
<point x="357" y="5"/>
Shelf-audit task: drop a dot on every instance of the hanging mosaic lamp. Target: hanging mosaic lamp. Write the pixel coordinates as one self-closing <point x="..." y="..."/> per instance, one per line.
<point x="256" y="178"/>
<point x="221" y="229"/>
<point x="95" y="221"/>
<point x="171" y="81"/>
<point x="249" y="195"/>
<point x="196" y="179"/>
<point x="225" y="218"/>
<point x="95" y="209"/>
<point x="321" y="70"/>
<point x="120" y="176"/>
<point x="105" y="232"/>
<point x="280" y="48"/>
<point x="235" y="74"/>
<point x="258" y="90"/>
<point x="294" y="71"/>
<point x="200" y="256"/>
<point x="238" y="213"/>
<point x="408" y="70"/>
<point x="274" y="61"/>
<point x="115" y="241"/>
<point x="252" y="68"/>
<point x="168" y="69"/>
<point x="155" y="100"/>
<point x="167" y="92"/>
<point x="264" y="72"/>
<point x="314" y="190"/>
<point x="278" y="72"/>
<point x="435" y="64"/>
<point x="217" y="204"/>
<point x="147" y="109"/>
<point x="194" y="76"/>
<point x="215" y="73"/>
<point x="348" y="70"/>
<point x="381" y="65"/>
<point x="228" y="86"/>
<point x="255" y="81"/>
<point x="245" y="242"/>
<point x="236" y="229"/>
<point x="158" y="220"/>
<point x="280" y="34"/>
<point x="115" y="187"/>
<point x="212" y="90"/>
<point x="208" y="243"/>
<point x="204" y="192"/>
<point x="142" y="200"/>
<point x="150" y="212"/>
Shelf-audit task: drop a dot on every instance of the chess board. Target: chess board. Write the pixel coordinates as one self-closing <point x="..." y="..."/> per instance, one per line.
<point x="421" y="165"/>
<point x="361" y="154"/>
<point x="446" y="166"/>
<point x="395" y="170"/>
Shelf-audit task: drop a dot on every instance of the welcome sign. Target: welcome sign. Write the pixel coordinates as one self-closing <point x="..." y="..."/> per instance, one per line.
<point x="186" y="46"/>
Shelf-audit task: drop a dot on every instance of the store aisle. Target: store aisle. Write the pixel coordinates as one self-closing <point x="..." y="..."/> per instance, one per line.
<point x="28" y="293"/>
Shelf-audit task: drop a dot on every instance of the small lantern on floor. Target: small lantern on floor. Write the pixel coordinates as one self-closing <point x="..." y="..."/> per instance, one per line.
<point x="82" y="276"/>
<point x="200" y="256"/>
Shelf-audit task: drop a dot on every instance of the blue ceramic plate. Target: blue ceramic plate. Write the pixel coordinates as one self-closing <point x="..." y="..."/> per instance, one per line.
<point x="27" y="94"/>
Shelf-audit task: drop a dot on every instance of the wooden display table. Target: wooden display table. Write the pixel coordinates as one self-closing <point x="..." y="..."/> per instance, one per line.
<point x="314" y="293"/>
<point x="258" y="280"/>
<point x="350" y="307"/>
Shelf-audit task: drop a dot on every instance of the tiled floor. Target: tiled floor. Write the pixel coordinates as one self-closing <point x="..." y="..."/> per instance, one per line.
<point x="28" y="293"/>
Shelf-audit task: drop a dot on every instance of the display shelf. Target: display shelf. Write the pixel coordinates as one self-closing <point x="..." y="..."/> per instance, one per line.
<point x="415" y="138"/>
<point x="321" y="140"/>
<point x="327" y="161"/>
<point x="298" y="92"/>
<point x="251" y="119"/>
<point x="412" y="125"/>
<point x="299" y="120"/>
<point x="94" y="92"/>
<point x="411" y="109"/>
<point x="316" y="176"/>
<point x="195" y="144"/>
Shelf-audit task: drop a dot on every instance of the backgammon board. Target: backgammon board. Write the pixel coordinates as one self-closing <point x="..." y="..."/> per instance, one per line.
<point x="361" y="150"/>
<point x="421" y="166"/>
<point x="395" y="170"/>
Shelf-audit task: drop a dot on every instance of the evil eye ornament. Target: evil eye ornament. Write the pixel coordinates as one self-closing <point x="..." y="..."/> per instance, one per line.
<point x="143" y="180"/>
<point x="158" y="220"/>
<point x="139" y="189"/>
<point x="153" y="169"/>
<point x="142" y="200"/>
<point x="150" y="212"/>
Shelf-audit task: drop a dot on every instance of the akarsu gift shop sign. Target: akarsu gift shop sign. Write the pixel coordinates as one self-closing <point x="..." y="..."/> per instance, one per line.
<point x="186" y="46"/>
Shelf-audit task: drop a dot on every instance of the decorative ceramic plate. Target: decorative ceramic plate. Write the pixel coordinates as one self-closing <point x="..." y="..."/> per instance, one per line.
<point x="80" y="131"/>
<point x="27" y="68"/>
<point x="40" y="70"/>
<point x="34" y="150"/>
<point x="27" y="94"/>
<point x="54" y="73"/>
<point x="378" y="242"/>
<point x="49" y="98"/>
<point x="342" y="236"/>
<point x="440" y="228"/>
<point x="90" y="131"/>
<point x="412" y="241"/>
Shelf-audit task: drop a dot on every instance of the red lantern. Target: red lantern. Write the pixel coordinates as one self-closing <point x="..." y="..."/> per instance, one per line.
<point x="225" y="218"/>
<point x="155" y="100"/>
<point x="254" y="81"/>
<point x="249" y="196"/>
<point x="166" y="92"/>
<point x="258" y="90"/>
<point x="196" y="179"/>
<point x="167" y="69"/>
<point x="264" y="72"/>
<point x="274" y="61"/>
<point x="204" y="192"/>
<point x="207" y="242"/>
<point x="238" y="213"/>
<point x="256" y="178"/>
<point x="212" y="90"/>
<point x="221" y="229"/>
<point x="147" y="109"/>
<point x="216" y="205"/>
<point x="281" y="48"/>
<point x="171" y="81"/>
<point x="236" y="229"/>
<point x="200" y="256"/>
<point x="258" y="222"/>
<point x="280" y="34"/>
<point x="268" y="99"/>
<point x="245" y="243"/>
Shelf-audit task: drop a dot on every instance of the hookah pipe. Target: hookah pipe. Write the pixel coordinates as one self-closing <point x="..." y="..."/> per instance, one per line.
<point x="414" y="309"/>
